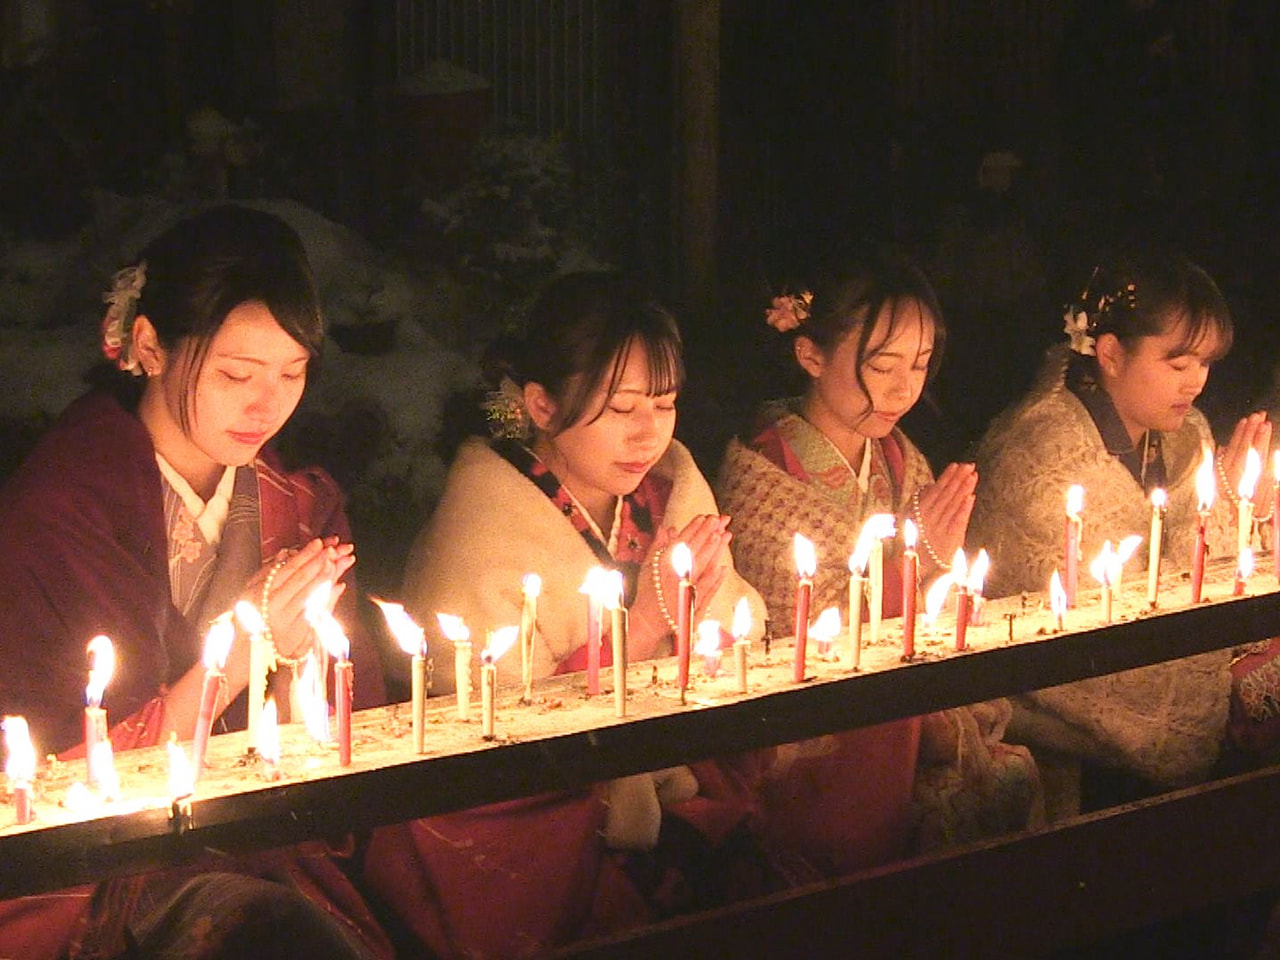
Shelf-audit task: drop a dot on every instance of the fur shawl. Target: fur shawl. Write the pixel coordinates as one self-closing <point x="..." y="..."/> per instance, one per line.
<point x="492" y="526"/>
<point x="1163" y="722"/>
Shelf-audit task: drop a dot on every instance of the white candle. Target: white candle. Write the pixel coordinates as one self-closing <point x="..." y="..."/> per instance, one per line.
<point x="1244" y="509"/>
<point x="1057" y="601"/>
<point x="618" y="635"/>
<point x="1155" y="546"/>
<point x="876" y="530"/>
<point x="217" y="647"/>
<point x="249" y="619"/>
<point x="412" y="639"/>
<point x="458" y="633"/>
<point x="530" y="589"/>
<point x="102" y="662"/>
<point x="19" y="765"/>
<point x="1071" y="548"/>
<point x="334" y="641"/>
<point x="499" y="642"/>
<point x="741" y="628"/>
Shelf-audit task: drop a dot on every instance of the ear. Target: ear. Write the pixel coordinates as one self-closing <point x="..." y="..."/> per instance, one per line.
<point x="1110" y="352"/>
<point x="809" y="356"/>
<point x="541" y="407"/>
<point x="146" y="346"/>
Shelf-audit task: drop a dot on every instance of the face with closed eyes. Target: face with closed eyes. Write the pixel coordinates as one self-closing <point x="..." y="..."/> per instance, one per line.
<point x="247" y="386"/>
<point x="851" y="398"/>
<point x="608" y="452"/>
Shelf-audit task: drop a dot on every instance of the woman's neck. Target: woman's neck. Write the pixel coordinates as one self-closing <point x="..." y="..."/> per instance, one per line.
<point x="850" y="443"/>
<point x="178" y="451"/>
<point x="599" y="505"/>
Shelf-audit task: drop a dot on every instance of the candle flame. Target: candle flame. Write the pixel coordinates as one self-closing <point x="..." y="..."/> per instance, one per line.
<point x="827" y="626"/>
<point x="182" y="781"/>
<point x="1075" y="500"/>
<point x="1206" y="485"/>
<point x="453" y="628"/>
<point x="909" y="534"/>
<point x="20" y="764"/>
<point x="879" y="526"/>
<point x="269" y="732"/>
<point x="1252" y="471"/>
<point x="1244" y="565"/>
<point x="1057" y="595"/>
<point x="806" y="557"/>
<point x="960" y="568"/>
<point x="499" y="642"/>
<point x="410" y="637"/>
<point x="1275" y="467"/>
<point x="317" y="603"/>
<point x="314" y="700"/>
<point x="1125" y="549"/>
<point x="332" y="637"/>
<point x="612" y="590"/>
<point x="1159" y="498"/>
<point x="217" y="642"/>
<point x="978" y="571"/>
<point x="708" y="643"/>
<point x="860" y="557"/>
<point x="102" y="664"/>
<point x="1103" y="565"/>
<point x="682" y="560"/>
<point x="741" y="619"/>
<point x="936" y="597"/>
<point x="531" y="585"/>
<point x="250" y="618"/>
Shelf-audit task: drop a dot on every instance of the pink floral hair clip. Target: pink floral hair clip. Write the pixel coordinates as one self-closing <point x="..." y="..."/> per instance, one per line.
<point x="788" y="311"/>
<point x="117" y="325"/>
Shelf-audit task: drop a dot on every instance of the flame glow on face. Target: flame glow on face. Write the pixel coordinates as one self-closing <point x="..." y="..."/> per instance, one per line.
<point x="741" y="619"/>
<point x="827" y="626"/>
<point x="500" y="641"/>
<point x="217" y="642"/>
<point x="1206" y="485"/>
<point x="20" y="761"/>
<point x="410" y="637"/>
<point x="1252" y="471"/>
<point x="453" y="628"/>
<point x="1057" y="595"/>
<point x="269" y="733"/>
<point x="708" y="642"/>
<point x="682" y="560"/>
<point x="1075" y="500"/>
<point x="806" y="556"/>
<point x="102" y="664"/>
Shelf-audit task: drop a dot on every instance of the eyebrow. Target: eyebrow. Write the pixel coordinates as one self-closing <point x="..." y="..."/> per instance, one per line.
<point x="897" y="355"/>
<point x="245" y="358"/>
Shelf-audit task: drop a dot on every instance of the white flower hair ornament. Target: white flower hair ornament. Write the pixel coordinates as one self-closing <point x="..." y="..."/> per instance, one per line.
<point x="117" y="325"/>
<point x="507" y="415"/>
<point x="1077" y="328"/>
<point x="788" y="311"/>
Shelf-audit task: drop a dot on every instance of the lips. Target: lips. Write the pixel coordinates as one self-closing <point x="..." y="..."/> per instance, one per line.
<point x="249" y="439"/>
<point x="640" y="467"/>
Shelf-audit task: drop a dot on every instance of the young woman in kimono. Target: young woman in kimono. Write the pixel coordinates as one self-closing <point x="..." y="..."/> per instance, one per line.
<point x="149" y="508"/>
<point x="1114" y="412"/>
<point x="585" y="472"/>
<point x="866" y="339"/>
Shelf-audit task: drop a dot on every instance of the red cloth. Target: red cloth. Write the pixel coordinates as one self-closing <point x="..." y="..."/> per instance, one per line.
<point x="83" y="551"/>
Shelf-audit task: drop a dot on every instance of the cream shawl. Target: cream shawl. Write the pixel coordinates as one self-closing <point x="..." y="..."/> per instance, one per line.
<point x="492" y="526"/>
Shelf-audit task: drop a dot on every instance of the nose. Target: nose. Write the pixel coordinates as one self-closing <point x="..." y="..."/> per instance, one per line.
<point x="267" y="403"/>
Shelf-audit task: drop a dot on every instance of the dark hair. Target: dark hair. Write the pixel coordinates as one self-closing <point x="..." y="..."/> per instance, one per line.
<point x="1142" y="292"/>
<point x="584" y="325"/>
<point x="854" y="296"/>
<point x="206" y="265"/>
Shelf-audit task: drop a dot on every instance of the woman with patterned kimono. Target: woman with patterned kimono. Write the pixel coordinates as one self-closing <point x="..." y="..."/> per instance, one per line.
<point x="867" y="339"/>
<point x="1114" y="414"/>
<point x="148" y="509"/>
<point x="585" y="474"/>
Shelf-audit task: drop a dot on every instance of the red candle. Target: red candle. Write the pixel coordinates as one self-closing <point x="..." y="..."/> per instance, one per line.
<point x="910" y="577"/>
<point x="1206" y="488"/>
<point x="806" y="567"/>
<point x="682" y="563"/>
<point x="217" y="645"/>
<point x="1071" y="549"/>
<point x="964" y="606"/>
<point x="343" y="682"/>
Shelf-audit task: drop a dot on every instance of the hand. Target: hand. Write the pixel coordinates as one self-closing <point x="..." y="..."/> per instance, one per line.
<point x="1253" y="431"/>
<point x="707" y="538"/>
<point x="944" y="508"/>
<point x="297" y="574"/>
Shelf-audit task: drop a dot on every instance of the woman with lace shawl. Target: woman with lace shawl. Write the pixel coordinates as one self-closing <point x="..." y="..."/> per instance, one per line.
<point x="866" y="340"/>
<point x="1114" y="414"/>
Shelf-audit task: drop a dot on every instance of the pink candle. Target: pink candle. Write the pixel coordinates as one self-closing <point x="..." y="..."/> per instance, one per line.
<point x="964" y="599"/>
<point x="1275" y="521"/>
<point x="594" y="587"/>
<point x="343" y="682"/>
<point x="20" y="765"/>
<point x="334" y="641"/>
<point x="102" y="664"/>
<point x="217" y="645"/>
<point x="682" y="563"/>
<point x="1057" y="601"/>
<point x="1071" y="549"/>
<point x="910" y="578"/>
<point x="1206" y="488"/>
<point x="806" y="567"/>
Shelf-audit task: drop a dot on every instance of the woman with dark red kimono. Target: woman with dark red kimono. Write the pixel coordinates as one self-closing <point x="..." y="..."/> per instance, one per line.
<point x="147" y="510"/>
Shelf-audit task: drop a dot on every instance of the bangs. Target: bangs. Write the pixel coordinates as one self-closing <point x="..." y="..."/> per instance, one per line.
<point x="1201" y="328"/>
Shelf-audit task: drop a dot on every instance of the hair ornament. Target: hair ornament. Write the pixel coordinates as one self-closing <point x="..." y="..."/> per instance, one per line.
<point x="505" y="410"/>
<point x="1083" y="318"/>
<point x="117" y="325"/>
<point x="789" y="311"/>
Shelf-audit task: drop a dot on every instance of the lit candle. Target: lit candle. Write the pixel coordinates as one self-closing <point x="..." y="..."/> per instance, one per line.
<point x="594" y="587"/>
<point x="1155" y="547"/>
<point x="877" y="529"/>
<point x="910" y="578"/>
<point x="1103" y="568"/>
<point x="530" y="590"/>
<point x="499" y="642"/>
<point x="806" y="567"/>
<point x="1244" y="570"/>
<point x="19" y="766"/>
<point x="682" y="563"/>
<point x="1206" y="488"/>
<point x="935" y="597"/>
<point x="1071" y="549"/>
<point x="741" y="628"/>
<point x="825" y="630"/>
<point x="182" y="784"/>
<point x="334" y="641"/>
<point x="1275" y="521"/>
<point x="1244" y="509"/>
<point x="1057" y="601"/>
<point x="708" y="646"/>
<point x="456" y="631"/>
<point x="249" y="619"/>
<point x="412" y="639"/>
<point x="217" y="646"/>
<point x="312" y="701"/>
<point x="964" y="600"/>
<point x="977" y="582"/>
<point x="618" y="623"/>
<point x="857" y="595"/>
<point x="102" y="663"/>
<point x="269" y="742"/>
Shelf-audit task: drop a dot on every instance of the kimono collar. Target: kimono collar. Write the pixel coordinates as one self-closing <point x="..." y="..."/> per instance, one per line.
<point x="209" y="517"/>
<point x="1144" y="460"/>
